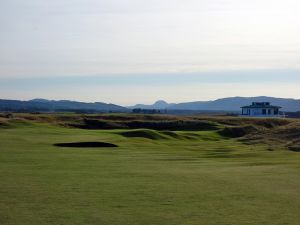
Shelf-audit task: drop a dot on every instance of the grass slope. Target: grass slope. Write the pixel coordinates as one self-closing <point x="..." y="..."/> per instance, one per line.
<point x="205" y="179"/>
<point x="144" y="133"/>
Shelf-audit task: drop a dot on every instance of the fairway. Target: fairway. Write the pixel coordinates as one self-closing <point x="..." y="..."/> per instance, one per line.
<point x="150" y="178"/>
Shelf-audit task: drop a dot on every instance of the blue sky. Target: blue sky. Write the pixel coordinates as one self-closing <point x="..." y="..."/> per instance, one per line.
<point x="128" y="51"/>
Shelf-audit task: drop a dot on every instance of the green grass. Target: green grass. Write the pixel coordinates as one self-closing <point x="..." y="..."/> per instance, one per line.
<point x="178" y="178"/>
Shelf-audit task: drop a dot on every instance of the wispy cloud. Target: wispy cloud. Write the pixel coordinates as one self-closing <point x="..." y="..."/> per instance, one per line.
<point x="127" y="50"/>
<point x="48" y="38"/>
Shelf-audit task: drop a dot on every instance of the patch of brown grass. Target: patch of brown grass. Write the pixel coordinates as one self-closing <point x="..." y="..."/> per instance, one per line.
<point x="278" y="136"/>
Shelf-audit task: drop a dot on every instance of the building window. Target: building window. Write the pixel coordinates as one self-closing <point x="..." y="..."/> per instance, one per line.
<point x="264" y="111"/>
<point x="269" y="111"/>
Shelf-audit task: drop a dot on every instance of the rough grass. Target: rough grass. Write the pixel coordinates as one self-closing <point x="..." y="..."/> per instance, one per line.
<point x="122" y="121"/>
<point x="239" y="121"/>
<point x="205" y="180"/>
<point x="272" y="132"/>
<point x="283" y="136"/>
<point x="138" y="124"/>
<point x="239" y="131"/>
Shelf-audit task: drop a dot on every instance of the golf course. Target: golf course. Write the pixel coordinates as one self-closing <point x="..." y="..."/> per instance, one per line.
<point x="148" y="170"/>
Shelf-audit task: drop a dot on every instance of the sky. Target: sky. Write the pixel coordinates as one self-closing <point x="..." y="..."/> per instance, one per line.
<point x="140" y="51"/>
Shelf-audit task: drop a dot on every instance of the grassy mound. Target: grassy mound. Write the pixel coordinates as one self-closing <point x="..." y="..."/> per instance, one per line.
<point x="159" y="135"/>
<point x="93" y="124"/>
<point x="178" y="125"/>
<point x="14" y="123"/>
<point x="122" y="121"/>
<point x="144" y="133"/>
<point x="173" y="135"/>
<point x="181" y="136"/>
<point x="240" y="131"/>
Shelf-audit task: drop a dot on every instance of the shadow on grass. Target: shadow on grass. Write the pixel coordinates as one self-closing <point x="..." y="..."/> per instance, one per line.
<point x="295" y="148"/>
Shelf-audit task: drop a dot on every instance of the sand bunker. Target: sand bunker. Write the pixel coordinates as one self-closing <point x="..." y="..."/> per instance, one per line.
<point x="86" y="145"/>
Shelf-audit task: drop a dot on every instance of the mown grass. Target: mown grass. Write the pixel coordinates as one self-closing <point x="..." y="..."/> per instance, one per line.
<point x="186" y="177"/>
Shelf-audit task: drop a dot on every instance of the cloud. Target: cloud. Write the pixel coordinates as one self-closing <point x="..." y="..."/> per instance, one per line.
<point x="42" y="38"/>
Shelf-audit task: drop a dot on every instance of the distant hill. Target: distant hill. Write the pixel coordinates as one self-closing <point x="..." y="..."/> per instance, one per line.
<point x="232" y="104"/>
<point x="157" y="105"/>
<point x="43" y="105"/>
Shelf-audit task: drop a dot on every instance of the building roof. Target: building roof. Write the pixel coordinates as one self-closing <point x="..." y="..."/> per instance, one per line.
<point x="259" y="105"/>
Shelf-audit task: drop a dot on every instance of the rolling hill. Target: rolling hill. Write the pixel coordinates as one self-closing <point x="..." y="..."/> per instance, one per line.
<point x="226" y="104"/>
<point x="43" y="105"/>
<point x="232" y="104"/>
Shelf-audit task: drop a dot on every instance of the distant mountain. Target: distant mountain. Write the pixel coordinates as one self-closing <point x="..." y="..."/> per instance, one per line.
<point x="232" y="104"/>
<point x="157" y="105"/>
<point x="43" y="105"/>
<point x="225" y="105"/>
<point x="39" y="100"/>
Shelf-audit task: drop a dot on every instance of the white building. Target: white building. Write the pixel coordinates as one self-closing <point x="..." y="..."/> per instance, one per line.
<point x="261" y="109"/>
